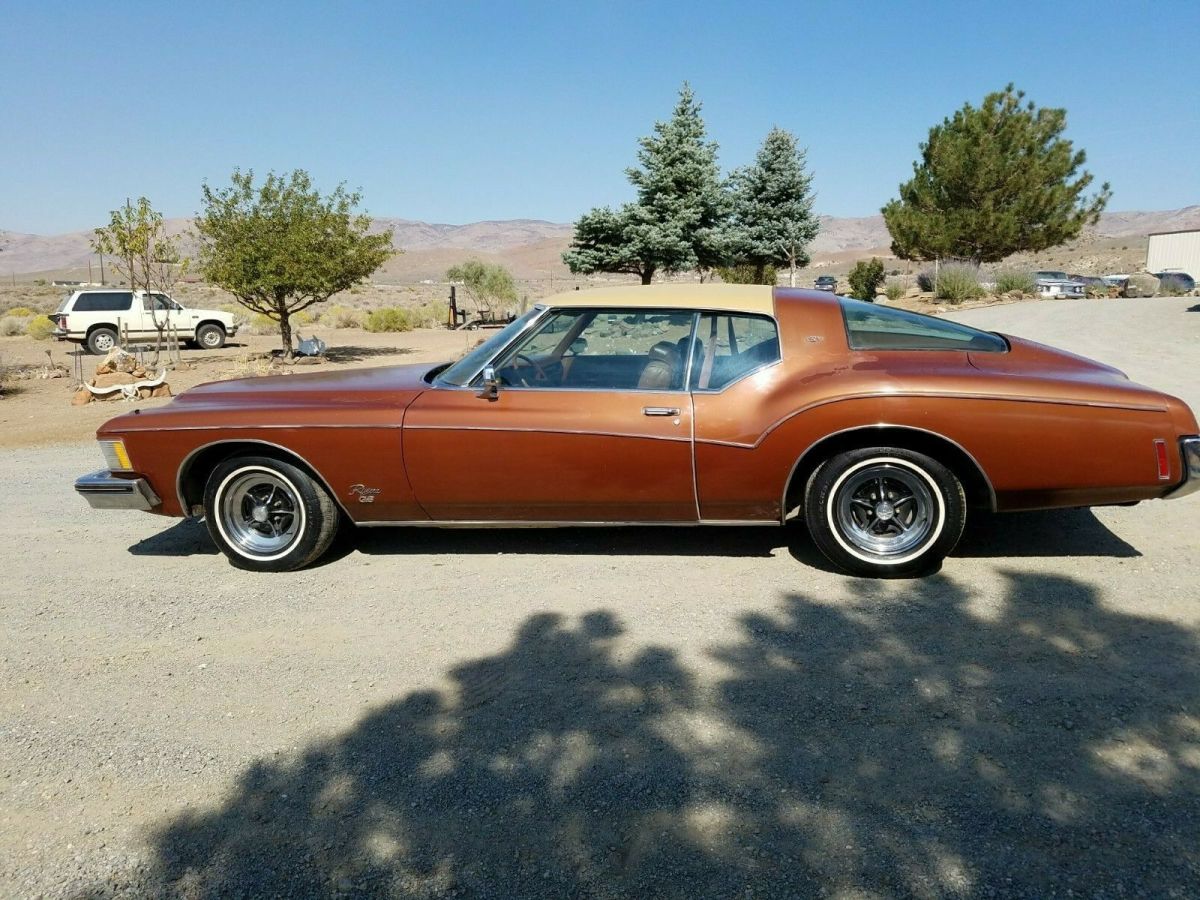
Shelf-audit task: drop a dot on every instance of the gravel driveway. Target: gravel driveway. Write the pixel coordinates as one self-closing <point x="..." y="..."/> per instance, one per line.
<point x="604" y="713"/>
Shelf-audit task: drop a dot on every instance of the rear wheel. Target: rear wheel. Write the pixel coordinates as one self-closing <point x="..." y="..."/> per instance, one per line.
<point x="885" y="511"/>
<point x="267" y="515"/>
<point x="101" y="340"/>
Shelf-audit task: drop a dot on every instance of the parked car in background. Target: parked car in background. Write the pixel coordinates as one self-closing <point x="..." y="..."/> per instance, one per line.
<point x="666" y="405"/>
<point x="99" y="318"/>
<point x="1175" y="282"/>
<point x="1056" y="285"/>
<point x="826" y="283"/>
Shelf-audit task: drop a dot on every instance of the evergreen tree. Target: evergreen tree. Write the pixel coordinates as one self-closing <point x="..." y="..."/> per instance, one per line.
<point x="678" y="220"/>
<point x="992" y="181"/>
<point x="773" y="219"/>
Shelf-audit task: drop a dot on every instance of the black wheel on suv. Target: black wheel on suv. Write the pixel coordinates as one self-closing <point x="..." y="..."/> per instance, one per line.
<point x="885" y="511"/>
<point x="267" y="515"/>
<point x="101" y="340"/>
<point x="210" y="337"/>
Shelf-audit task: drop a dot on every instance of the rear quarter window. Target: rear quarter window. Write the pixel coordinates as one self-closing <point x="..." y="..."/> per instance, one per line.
<point x="871" y="327"/>
<point x="114" y="301"/>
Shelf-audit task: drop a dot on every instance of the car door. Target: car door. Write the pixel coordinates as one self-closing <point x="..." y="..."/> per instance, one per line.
<point x="592" y="422"/>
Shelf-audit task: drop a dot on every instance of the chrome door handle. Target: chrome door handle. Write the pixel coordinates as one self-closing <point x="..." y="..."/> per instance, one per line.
<point x="660" y="410"/>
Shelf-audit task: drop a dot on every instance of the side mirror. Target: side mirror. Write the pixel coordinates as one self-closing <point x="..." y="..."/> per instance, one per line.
<point x="491" y="384"/>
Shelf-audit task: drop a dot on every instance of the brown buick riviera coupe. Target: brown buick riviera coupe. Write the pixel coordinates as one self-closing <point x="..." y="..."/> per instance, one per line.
<point x="664" y="405"/>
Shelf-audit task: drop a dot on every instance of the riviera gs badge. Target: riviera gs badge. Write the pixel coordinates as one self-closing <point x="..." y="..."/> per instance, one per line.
<point x="363" y="493"/>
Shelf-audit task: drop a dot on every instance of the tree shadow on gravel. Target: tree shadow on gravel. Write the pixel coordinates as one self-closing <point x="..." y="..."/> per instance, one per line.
<point x="914" y="742"/>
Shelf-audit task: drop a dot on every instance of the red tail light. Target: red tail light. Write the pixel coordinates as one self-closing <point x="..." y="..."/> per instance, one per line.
<point x="1164" y="463"/>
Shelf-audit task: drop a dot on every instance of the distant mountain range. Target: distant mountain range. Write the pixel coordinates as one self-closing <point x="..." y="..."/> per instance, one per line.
<point x="531" y="248"/>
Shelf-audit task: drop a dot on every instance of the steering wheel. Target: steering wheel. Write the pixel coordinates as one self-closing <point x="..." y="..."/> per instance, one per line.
<point x="539" y="374"/>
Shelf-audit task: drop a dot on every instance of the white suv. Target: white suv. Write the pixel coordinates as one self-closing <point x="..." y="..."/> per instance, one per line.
<point x="97" y="317"/>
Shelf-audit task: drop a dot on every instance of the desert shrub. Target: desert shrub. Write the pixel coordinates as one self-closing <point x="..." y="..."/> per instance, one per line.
<point x="893" y="290"/>
<point x="865" y="279"/>
<point x="23" y="312"/>
<point x="431" y="315"/>
<point x="39" y="328"/>
<point x="304" y="317"/>
<point x="342" y="317"/>
<point x="12" y="326"/>
<point x="957" y="282"/>
<point x="1009" y="280"/>
<point x="257" y="323"/>
<point x="390" y="318"/>
<point x="925" y="281"/>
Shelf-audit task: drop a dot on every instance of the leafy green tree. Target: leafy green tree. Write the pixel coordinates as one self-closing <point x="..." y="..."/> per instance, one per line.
<point x="678" y="220"/>
<point x="773" y="218"/>
<point x="865" y="279"/>
<point x="281" y="247"/>
<point x="490" y="285"/>
<point x="992" y="181"/>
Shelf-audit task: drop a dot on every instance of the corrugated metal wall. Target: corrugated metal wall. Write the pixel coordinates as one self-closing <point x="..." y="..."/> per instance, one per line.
<point x="1179" y="250"/>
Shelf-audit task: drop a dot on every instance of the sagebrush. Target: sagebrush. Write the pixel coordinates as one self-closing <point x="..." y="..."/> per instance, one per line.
<point x="1019" y="280"/>
<point x="957" y="282"/>
<point x="390" y="318"/>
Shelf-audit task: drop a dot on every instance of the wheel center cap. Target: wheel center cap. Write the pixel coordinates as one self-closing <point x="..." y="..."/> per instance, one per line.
<point x="259" y="514"/>
<point x="884" y="510"/>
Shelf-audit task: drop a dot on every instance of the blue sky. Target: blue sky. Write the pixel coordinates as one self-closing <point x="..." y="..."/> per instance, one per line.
<point x="452" y="111"/>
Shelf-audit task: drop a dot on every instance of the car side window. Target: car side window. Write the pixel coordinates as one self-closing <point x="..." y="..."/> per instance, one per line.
<point x="159" y="303"/>
<point x="598" y="349"/>
<point x="109" y="301"/>
<point x="730" y="346"/>
<point x="873" y="327"/>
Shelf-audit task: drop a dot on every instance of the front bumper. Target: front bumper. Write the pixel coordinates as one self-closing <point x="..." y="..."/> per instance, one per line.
<point x="1190" y="448"/>
<point x="104" y="490"/>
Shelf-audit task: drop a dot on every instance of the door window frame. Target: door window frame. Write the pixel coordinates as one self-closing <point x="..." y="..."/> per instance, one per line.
<point x="473" y="383"/>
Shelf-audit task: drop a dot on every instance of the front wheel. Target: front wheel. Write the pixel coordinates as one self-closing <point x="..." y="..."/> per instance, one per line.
<point x="884" y="511"/>
<point x="267" y="515"/>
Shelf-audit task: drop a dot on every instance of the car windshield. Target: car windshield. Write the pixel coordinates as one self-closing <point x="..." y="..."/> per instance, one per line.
<point x="1055" y="276"/>
<point x="461" y="372"/>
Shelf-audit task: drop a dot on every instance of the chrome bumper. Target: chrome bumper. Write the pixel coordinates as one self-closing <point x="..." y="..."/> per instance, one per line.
<point x="1190" y="448"/>
<point x="104" y="490"/>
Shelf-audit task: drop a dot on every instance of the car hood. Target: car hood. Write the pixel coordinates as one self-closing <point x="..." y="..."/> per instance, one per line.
<point x="351" y="386"/>
<point x="352" y="397"/>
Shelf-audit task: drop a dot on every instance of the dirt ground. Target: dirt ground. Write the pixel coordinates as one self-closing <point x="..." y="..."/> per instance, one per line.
<point x="602" y="713"/>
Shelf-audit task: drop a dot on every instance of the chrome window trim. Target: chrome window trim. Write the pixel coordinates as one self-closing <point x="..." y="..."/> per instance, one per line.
<point x="438" y="384"/>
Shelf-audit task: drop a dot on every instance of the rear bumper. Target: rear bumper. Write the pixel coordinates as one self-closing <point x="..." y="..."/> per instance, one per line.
<point x="1190" y="448"/>
<point x="104" y="490"/>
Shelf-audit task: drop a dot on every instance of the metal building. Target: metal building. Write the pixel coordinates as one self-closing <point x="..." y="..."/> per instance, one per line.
<point x="1174" y="251"/>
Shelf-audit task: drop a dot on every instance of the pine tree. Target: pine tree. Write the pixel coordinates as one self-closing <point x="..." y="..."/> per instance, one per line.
<point x="992" y="181"/>
<point x="773" y="219"/>
<point x="677" y="222"/>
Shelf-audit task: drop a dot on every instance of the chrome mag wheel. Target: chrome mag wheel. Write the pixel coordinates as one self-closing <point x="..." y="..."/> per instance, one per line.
<point x="260" y="513"/>
<point x="884" y="509"/>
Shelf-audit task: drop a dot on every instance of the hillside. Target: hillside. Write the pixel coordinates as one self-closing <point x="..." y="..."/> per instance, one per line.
<point x="532" y="248"/>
